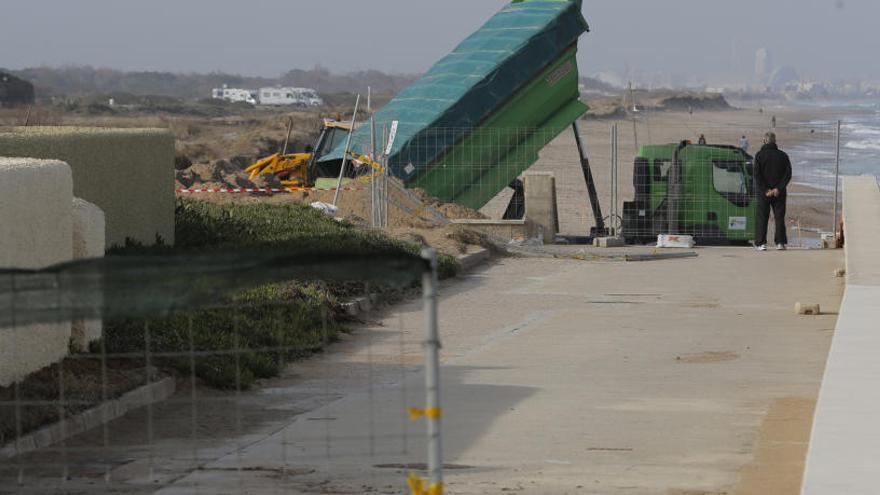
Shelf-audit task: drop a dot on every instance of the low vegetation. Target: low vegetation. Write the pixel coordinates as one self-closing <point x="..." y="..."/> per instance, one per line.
<point x="254" y="334"/>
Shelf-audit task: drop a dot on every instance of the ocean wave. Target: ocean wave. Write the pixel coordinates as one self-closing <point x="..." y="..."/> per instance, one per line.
<point x="813" y="152"/>
<point x="862" y="130"/>
<point x="864" y="145"/>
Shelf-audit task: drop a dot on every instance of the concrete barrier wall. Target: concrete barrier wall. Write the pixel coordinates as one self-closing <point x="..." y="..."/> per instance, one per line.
<point x="845" y="443"/>
<point x="35" y="231"/>
<point x="505" y="230"/>
<point x="128" y="173"/>
<point x="88" y="242"/>
<point x="540" y="202"/>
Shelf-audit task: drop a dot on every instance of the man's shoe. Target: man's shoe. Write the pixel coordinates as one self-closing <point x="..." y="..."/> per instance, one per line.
<point x="762" y="247"/>
<point x="780" y="247"/>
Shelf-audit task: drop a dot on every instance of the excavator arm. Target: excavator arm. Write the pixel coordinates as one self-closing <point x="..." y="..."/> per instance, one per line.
<point x="293" y="168"/>
<point x="289" y="167"/>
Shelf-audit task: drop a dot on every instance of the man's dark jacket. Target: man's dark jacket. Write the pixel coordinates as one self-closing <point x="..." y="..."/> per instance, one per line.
<point x="772" y="168"/>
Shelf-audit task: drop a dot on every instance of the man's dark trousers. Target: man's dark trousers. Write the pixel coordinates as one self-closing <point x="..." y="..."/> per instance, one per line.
<point x="778" y="206"/>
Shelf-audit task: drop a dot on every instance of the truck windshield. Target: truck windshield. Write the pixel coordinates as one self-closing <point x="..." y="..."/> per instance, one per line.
<point x="729" y="180"/>
<point x="661" y="170"/>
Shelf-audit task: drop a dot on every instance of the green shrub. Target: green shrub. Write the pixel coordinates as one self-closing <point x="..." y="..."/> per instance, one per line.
<point x="254" y="334"/>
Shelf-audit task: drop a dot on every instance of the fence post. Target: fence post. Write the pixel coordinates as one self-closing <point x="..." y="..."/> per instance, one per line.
<point x="374" y="157"/>
<point x="433" y="411"/>
<point x="836" y="183"/>
<point x="383" y="216"/>
<point x="347" y="149"/>
<point x="616" y="171"/>
<point x="611" y="169"/>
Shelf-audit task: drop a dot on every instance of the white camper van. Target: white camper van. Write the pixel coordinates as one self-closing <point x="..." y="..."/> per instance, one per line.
<point x="302" y="97"/>
<point x="234" y="95"/>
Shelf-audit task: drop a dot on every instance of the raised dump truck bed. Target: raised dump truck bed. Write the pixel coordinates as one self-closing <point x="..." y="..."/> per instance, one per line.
<point x="479" y="116"/>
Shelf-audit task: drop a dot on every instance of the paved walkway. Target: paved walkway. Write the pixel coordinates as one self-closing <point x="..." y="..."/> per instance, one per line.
<point x="567" y="376"/>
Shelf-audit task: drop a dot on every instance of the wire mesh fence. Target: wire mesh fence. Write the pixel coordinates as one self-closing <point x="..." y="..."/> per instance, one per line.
<point x="648" y="180"/>
<point x="464" y="173"/>
<point x="198" y="382"/>
<point x="631" y="162"/>
<point x="444" y="174"/>
<point x="707" y="184"/>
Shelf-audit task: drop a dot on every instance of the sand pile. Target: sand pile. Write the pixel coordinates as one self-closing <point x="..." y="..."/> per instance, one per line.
<point x="406" y="207"/>
<point x="449" y="210"/>
<point x="413" y="215"/>
<point x="222" y="174"/>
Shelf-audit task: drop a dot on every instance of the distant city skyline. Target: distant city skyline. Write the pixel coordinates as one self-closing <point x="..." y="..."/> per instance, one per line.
<point x="680" y="39"/>
<point x="763" y="64"/>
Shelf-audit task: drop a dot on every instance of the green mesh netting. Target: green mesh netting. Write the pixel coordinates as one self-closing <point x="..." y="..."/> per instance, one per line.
<point x="476" y="80"/>
<point x="159" y="284"/>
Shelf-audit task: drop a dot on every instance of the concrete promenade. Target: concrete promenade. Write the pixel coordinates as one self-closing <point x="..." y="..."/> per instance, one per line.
<point x="845" y="447"/>
<point x="568" y="376"/>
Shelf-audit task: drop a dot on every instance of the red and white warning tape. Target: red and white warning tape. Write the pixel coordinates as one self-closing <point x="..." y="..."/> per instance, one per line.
<point x="263" y="189"/>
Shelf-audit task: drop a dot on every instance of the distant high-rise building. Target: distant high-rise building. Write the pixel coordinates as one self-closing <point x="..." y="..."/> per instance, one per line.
<point x="763" y="65"/>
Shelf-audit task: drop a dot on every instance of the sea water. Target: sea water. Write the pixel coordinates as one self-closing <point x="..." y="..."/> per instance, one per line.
<point x="814" y="161"/>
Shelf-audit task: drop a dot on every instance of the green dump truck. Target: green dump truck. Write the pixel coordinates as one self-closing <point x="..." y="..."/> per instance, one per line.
<point x="706" y="191"/>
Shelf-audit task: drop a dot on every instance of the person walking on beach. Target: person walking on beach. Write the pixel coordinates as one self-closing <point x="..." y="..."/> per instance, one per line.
<point x="702" y="139"/>
<point x="744" y="144"/>
<point x="772" y="175"/>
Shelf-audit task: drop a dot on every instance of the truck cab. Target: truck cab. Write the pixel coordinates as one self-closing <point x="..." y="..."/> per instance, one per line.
<point x="706" y="191"/>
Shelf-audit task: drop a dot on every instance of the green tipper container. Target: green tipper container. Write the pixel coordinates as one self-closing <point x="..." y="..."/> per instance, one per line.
<point x="479" y="116"/>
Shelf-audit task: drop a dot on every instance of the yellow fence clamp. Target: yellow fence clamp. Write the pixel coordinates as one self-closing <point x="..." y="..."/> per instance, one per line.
<point x="432" y="412"/>
<point x="418" y="486"/>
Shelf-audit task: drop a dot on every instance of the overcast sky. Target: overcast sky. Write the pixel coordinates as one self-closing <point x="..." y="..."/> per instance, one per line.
<point x="828" y="39"/>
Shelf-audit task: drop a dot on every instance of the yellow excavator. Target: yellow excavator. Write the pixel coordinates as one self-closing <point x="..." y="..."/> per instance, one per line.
<point x="298" y="169"/>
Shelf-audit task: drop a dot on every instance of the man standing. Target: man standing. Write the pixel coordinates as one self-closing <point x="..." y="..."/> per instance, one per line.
<point x="744" y="144"/>
<point x="772" y="175"/>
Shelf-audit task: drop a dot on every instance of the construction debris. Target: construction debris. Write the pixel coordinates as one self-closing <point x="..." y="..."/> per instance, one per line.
<point x="608" y="242"/>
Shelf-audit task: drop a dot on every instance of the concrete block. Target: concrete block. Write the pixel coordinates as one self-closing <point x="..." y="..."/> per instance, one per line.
<point x="128" y="173"/>
<point x="609" y="242"/>
<point x="502" y="229"/>
<point x="540" y="203"/>
<point x="88" y="230"/>
<point x="861" y="209"/>
<point x="35" y="232"/>
<point x="88" y="242"/>
<point x="807" y="309"/>
<point x="829" y="241"/>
